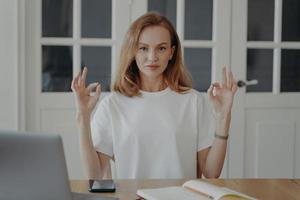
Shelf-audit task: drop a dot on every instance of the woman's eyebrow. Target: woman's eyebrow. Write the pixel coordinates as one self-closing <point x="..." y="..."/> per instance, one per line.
<point x="163" y="43"/>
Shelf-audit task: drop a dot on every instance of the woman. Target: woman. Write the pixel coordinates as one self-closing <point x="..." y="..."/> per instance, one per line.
<point x="153" y="124"/>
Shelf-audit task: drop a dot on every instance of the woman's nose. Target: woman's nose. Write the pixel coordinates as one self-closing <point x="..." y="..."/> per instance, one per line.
<point x="152" y="56"/>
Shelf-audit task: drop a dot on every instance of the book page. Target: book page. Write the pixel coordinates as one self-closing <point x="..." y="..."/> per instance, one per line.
<point x="170" y="193"/>
<point x="232" y="193"/>
<point x="214" y="191"/>
<point x="209" y="189"/>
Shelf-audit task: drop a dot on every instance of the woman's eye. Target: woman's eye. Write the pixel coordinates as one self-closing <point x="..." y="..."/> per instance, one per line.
<point x="162" y="48"/>
<point x="142" y="48"/>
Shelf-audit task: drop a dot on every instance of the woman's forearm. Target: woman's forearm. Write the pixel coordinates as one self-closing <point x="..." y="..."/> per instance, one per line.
<point x="88" y="154"/>
<point x="216" y="155"/>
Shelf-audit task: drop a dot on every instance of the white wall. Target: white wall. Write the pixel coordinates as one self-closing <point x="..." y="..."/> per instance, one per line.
<point x="9" y="64"/>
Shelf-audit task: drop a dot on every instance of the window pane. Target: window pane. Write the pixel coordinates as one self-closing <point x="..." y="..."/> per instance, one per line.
<point x="290" y="70"/>
<point x="198" y="19"/>
<point x="198" y="61"/>
<point x="98" y="61"/>
<point x="57" y="18"/>
<point x="260" y="20"/>
<point x="290" y="20"/>
<point x="96" y="18"/>
<point x="164" y="7"/>
<point x="57" y="68"/>
<point x="260" y="67"/>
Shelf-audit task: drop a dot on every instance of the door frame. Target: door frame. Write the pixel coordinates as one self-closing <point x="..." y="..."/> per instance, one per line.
<point x="238" y="67"/>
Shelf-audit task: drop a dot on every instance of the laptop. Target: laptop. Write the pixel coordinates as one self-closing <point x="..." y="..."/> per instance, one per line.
<point x="33" y="167"/>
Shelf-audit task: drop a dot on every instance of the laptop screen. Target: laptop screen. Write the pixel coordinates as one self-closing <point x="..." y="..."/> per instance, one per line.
<point x="32" y="167"/>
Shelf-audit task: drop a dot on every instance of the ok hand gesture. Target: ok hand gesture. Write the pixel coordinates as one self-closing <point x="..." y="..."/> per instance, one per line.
<point x="221" y="95"/>
<point x="85" y="103"/>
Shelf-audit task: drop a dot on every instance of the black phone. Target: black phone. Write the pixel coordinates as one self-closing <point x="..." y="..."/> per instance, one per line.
<point x="106" y="185"/>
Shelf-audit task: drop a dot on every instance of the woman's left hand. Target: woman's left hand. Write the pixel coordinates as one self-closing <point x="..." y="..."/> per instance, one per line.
<point x="221" y="95"/>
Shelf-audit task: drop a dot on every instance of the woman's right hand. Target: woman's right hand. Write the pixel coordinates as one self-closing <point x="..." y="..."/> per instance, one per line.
<point x="85" y="103"/>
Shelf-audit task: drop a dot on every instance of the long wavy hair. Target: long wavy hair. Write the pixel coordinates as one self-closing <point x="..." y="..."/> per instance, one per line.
<point x="127" y="80"/>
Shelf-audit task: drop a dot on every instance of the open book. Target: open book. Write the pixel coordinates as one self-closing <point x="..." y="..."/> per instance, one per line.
<point x="192" y="190"/>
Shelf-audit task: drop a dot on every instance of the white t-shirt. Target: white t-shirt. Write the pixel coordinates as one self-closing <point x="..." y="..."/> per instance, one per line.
<point x="155" y="135"/>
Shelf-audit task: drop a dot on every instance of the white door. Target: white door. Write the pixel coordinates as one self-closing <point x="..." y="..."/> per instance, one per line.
<point x="258" y="40"/>
<point x="265" y="140"/>
<point x="62" y="37"/>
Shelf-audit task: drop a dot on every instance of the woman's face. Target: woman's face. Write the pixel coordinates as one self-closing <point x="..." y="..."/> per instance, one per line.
<point x="154" y="52"/>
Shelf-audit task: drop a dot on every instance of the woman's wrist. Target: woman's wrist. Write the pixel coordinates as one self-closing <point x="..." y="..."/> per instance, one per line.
<point x="221" y="115"/>
<point x="223" y="124"/>
<point x="83" y="117"/>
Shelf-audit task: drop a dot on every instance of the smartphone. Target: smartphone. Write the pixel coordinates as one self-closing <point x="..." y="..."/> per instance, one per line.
<point x="102" y="185"/>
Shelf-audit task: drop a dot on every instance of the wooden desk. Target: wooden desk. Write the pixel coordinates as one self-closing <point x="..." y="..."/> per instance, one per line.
<point x="274" y="189"/>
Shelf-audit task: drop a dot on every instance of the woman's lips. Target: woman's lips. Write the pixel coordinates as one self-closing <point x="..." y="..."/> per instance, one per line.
<point x="152" y="67"/>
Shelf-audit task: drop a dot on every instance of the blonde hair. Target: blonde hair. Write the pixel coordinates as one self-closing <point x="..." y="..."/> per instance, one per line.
<point x="127" y="80"/>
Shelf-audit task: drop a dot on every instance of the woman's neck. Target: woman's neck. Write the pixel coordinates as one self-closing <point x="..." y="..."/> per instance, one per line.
<point x="153" y="85"/>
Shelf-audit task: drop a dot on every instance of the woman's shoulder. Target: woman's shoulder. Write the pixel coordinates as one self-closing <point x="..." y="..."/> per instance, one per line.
<point x="112" y="97"/>
<point x="108" y="97"/>
<point x="106" y="102"/>
<point x="195" y="93"/>
<point x="200" y="97"/>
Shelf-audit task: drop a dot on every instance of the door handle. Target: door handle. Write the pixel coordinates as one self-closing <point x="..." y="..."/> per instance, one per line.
<point x="241" y="83"/>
